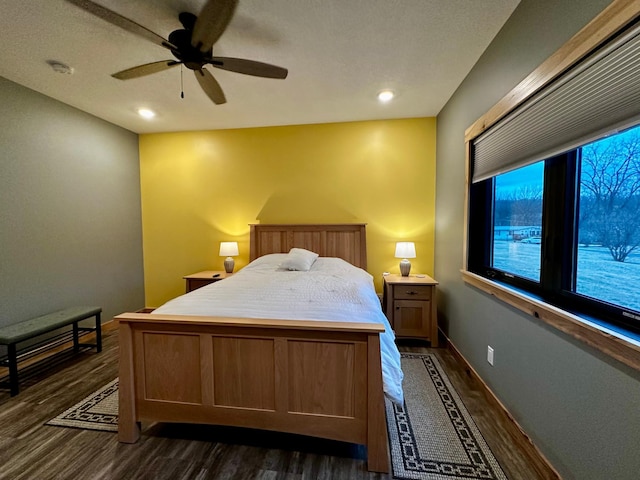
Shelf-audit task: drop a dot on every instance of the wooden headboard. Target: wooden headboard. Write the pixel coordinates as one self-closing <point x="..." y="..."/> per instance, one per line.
<point x="344" y="240"/>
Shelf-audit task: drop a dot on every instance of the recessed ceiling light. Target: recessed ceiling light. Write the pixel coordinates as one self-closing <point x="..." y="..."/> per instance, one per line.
<point x="385" y="95"/>
<point x="146" y="113"/>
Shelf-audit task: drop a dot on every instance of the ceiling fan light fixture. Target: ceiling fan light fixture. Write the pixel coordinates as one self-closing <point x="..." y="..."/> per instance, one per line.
<point x="146" y="113"/>
<point x="60" y="67"/>
<point x="385" y="95"/>
<point x="191" y="46"/>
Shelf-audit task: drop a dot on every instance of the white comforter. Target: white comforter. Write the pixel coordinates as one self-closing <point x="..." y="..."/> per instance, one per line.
<point x="332" y="290"/>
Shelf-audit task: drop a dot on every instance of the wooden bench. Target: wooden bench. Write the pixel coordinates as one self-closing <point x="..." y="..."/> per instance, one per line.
<point x="12" y="335"/>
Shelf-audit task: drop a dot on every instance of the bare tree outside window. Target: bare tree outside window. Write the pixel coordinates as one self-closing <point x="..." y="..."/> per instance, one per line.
<point x="610" y="194"/>
<point x="519" y="206"/>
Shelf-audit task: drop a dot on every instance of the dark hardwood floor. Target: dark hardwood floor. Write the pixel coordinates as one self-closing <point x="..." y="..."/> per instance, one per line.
<point x="31" y="450"/>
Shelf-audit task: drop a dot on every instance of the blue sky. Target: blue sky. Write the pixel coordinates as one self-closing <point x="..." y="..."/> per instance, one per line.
<point x="531" y="175"/>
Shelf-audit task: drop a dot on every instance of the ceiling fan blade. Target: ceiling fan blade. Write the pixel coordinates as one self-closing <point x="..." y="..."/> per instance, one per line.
<point x="210" y="86"/>
<point x="146" y="69"/>
<point x="212" y="22"/>
<point x="249" y="67"/>
<point x="122" y="22"/>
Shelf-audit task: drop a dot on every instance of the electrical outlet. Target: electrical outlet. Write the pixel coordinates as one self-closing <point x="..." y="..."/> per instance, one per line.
<point x="490" y="355"/>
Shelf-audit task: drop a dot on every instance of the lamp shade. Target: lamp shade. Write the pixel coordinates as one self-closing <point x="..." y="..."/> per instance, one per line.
<point x="405" y="250"/>
<point x="229" y="249"/>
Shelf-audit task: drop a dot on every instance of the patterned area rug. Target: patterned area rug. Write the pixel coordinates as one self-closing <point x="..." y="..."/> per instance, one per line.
<point x="98" y="411"/>
<point x="432" y="436"/>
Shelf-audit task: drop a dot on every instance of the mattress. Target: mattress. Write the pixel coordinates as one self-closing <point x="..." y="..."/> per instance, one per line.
<point x="332" y="290"/>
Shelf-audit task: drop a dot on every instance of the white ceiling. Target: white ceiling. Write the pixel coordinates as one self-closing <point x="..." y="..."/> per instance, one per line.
<point x="340" y="54"/>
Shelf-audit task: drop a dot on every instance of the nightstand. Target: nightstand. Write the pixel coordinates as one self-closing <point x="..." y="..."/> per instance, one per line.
<point x="410" y="306"/>
<point x="200" y="279"/>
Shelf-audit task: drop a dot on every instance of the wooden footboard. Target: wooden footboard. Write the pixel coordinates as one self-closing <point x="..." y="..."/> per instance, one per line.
<point x="321" y="379"/>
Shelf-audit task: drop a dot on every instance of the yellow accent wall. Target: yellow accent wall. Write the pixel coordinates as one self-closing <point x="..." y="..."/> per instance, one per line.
<point x="201" y="188"/>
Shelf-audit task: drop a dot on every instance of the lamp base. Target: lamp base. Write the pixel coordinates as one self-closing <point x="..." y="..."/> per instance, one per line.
<point x="405" y="267"/>
<point x="228" y="265"/>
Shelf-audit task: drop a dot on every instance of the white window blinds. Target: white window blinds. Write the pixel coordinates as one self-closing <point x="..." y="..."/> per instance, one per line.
<point x="599" y="95"/>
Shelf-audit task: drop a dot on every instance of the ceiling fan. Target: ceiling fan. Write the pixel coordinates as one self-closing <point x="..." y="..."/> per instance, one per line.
<point x="191" y="46"/>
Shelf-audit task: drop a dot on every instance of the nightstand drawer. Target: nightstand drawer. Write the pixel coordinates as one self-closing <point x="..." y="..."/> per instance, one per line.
<point x="412" y="292"/>
<point x="201" y="279"/>
<point x="194" y="283"/>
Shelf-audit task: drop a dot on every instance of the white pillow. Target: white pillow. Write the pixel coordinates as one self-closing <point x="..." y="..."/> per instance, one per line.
<point x="299" y="259"/>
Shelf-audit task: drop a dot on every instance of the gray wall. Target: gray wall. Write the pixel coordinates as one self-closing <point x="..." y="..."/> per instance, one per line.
<point x="70" y="219"/>
<point x="581" y="408"/>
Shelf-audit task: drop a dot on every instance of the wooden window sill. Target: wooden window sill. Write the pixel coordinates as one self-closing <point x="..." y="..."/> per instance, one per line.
<point x="611" y="343"/>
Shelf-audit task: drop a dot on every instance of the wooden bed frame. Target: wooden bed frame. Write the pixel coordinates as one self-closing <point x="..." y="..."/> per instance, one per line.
<point x="321" y="379"/>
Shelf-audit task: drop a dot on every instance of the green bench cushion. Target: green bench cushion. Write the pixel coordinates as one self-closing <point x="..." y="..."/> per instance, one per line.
<point x="30" y="328"/>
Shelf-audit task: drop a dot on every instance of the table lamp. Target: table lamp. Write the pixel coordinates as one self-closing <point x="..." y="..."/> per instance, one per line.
<point x="229" y="250"/>
<point x="405" y="250"/>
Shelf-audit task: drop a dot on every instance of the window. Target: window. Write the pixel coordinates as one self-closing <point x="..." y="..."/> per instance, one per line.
<point x="517" y="221"/>
<point x="576" y="117"/>
<point x="566" y="229"/>
<point x="608" y="259"/>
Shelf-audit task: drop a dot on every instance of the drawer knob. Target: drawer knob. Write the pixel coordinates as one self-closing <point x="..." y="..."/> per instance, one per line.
<point x="411" y="292"/>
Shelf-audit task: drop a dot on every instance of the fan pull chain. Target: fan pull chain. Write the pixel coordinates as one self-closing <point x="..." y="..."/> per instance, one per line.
<point x="181" y="83"/>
